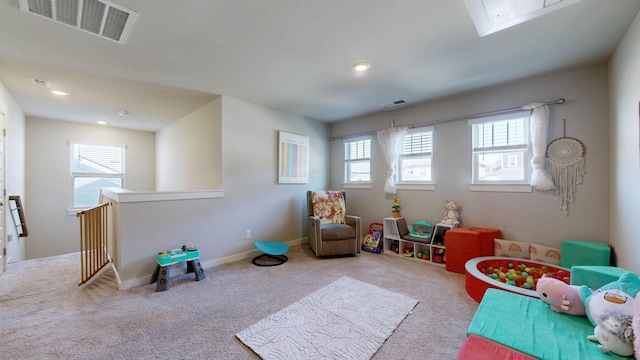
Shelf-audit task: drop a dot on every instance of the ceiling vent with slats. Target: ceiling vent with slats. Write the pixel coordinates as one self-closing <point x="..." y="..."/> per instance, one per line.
<point x="395" y="104"/>
<point x="99" y="17"/>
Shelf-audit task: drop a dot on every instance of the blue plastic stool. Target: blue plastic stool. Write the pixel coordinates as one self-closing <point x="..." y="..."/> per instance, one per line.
<point x="274" y="253"/>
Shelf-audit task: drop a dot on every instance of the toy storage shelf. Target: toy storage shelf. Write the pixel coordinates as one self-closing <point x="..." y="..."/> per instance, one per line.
<point x="424" y="250"/>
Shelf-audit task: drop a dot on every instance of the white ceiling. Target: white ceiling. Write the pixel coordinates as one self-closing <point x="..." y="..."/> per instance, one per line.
<point x="288" y="54"/>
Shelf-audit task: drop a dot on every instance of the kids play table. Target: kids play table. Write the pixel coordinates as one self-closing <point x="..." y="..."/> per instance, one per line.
<point x="167" y="258"/>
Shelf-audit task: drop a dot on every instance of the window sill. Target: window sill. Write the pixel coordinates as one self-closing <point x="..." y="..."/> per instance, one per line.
<point x="357" y="186"/>
<point x="423" y="187"/>
<point x="522" y="188"/>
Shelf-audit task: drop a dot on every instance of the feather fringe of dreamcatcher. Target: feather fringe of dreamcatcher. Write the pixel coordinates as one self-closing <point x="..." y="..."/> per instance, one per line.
<point x="565" y="178"/>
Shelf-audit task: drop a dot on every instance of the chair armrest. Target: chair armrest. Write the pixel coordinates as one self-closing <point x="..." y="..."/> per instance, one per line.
<point x="314" y="231"/>
<point x="356" y="222"/>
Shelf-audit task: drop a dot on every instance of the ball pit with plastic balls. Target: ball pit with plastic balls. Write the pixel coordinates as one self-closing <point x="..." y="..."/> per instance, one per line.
<point x="510" y="274"/>
<point x="521" y="273"/>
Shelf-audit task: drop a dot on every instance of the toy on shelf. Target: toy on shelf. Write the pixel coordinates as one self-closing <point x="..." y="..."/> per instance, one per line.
<point x="395" y="246"/>
<point x="438" y="256"/>
<point x="421" y="230"/>
<point x="452" y="214"/>
<point x="396" y="207"/>
<point x="408" y="252"/>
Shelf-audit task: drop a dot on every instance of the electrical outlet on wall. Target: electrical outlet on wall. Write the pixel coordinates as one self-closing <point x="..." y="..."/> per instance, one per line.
<point x="247" y="234"/>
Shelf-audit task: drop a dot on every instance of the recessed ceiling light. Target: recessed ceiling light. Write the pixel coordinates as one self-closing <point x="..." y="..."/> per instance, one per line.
<point x="102" y="122"/>
<point x="123" y="113"/>
<point x="361" y="66"/>
<point x="59" y="93"/>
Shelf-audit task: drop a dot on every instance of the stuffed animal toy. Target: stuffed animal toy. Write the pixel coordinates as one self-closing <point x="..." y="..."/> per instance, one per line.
<point x="451" y="215"/>
<point x="618" y="294"/>
<point x="562" y="297"/>
<point x="614" y="332"/>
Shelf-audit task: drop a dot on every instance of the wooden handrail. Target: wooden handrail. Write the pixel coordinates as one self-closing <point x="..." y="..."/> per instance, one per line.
<point x="17" y="213"/>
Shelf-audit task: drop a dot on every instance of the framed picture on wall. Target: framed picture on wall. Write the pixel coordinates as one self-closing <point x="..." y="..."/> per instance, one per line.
<point x="293" y="158"/>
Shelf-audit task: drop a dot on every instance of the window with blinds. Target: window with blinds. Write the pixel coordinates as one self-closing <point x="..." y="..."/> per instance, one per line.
<point x="357" y="160"/>
<point x="414" y="164"/>
<point x="500" y="149"/>
<point x="92" y="168"/>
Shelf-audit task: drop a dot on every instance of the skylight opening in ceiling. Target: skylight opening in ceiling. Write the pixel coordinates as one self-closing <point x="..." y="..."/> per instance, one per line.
<point x="99" y="17"/>
<point x="490" y="16"/>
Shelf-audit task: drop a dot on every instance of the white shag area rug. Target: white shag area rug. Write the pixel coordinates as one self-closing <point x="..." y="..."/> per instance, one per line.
<point x="347" y="319"/>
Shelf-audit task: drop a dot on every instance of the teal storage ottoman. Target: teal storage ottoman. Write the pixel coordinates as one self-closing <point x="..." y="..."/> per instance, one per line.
<point x="576" y="252"/>
<point x="595" y="276"/>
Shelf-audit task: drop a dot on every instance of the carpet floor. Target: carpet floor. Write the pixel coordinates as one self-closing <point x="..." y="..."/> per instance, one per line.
<point x="45" y="315"/>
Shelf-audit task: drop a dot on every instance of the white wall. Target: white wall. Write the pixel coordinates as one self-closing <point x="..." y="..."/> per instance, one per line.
<point x="624" y="87"/>
<point x="253" y="200"/>
<point x="52" y="231"/>
<point x="249" y="170"/>
<point x="191" y="145"/>
<point x="15" y="168"/>
<point x="533" y="217"/>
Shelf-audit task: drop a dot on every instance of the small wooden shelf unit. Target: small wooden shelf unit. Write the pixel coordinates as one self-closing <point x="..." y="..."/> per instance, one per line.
<point x="428" y="250"/>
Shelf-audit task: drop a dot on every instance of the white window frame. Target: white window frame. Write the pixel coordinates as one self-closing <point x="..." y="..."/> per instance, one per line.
<point x="404" y="184"/>
<point x="87" y="174"/>
<point x="363" y="158"/>
<point x="502" y="185"/>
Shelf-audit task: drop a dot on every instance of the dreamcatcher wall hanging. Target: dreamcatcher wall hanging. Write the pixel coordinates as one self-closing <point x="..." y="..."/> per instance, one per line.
<point x="566" y="165"/>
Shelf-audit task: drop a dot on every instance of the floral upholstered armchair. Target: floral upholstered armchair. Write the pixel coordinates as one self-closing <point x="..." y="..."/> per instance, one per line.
<point x="331" y="231"/>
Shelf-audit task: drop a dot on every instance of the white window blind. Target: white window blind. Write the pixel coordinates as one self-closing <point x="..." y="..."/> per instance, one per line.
<point x="357" y="160"/>
<point x="501" y="134"/>
<point x="358" y="150"/>
<point x="418" y="143"/>
<point x="92" y="168"/>
<point x="500" y="148"/>
<point x="414" y="165"/>
<point x="97" y="159"/>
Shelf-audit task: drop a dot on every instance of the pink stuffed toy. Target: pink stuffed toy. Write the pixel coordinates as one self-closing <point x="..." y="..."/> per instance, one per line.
<point x="562" y="297"/>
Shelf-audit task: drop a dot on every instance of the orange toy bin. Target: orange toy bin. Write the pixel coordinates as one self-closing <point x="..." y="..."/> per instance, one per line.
<point x="466" y="243"/>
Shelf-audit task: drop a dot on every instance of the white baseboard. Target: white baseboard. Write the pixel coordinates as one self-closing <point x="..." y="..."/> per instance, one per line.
<point x="145" y="280"/>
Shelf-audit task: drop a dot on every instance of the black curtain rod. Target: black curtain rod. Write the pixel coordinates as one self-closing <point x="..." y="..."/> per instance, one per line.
<point x="458" y="118"/>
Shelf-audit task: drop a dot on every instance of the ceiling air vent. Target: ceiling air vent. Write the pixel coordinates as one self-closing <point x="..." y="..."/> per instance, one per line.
<point x="40" y="82"/>
<point x="99" y="17"/>
<point x="395" y="104"/>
